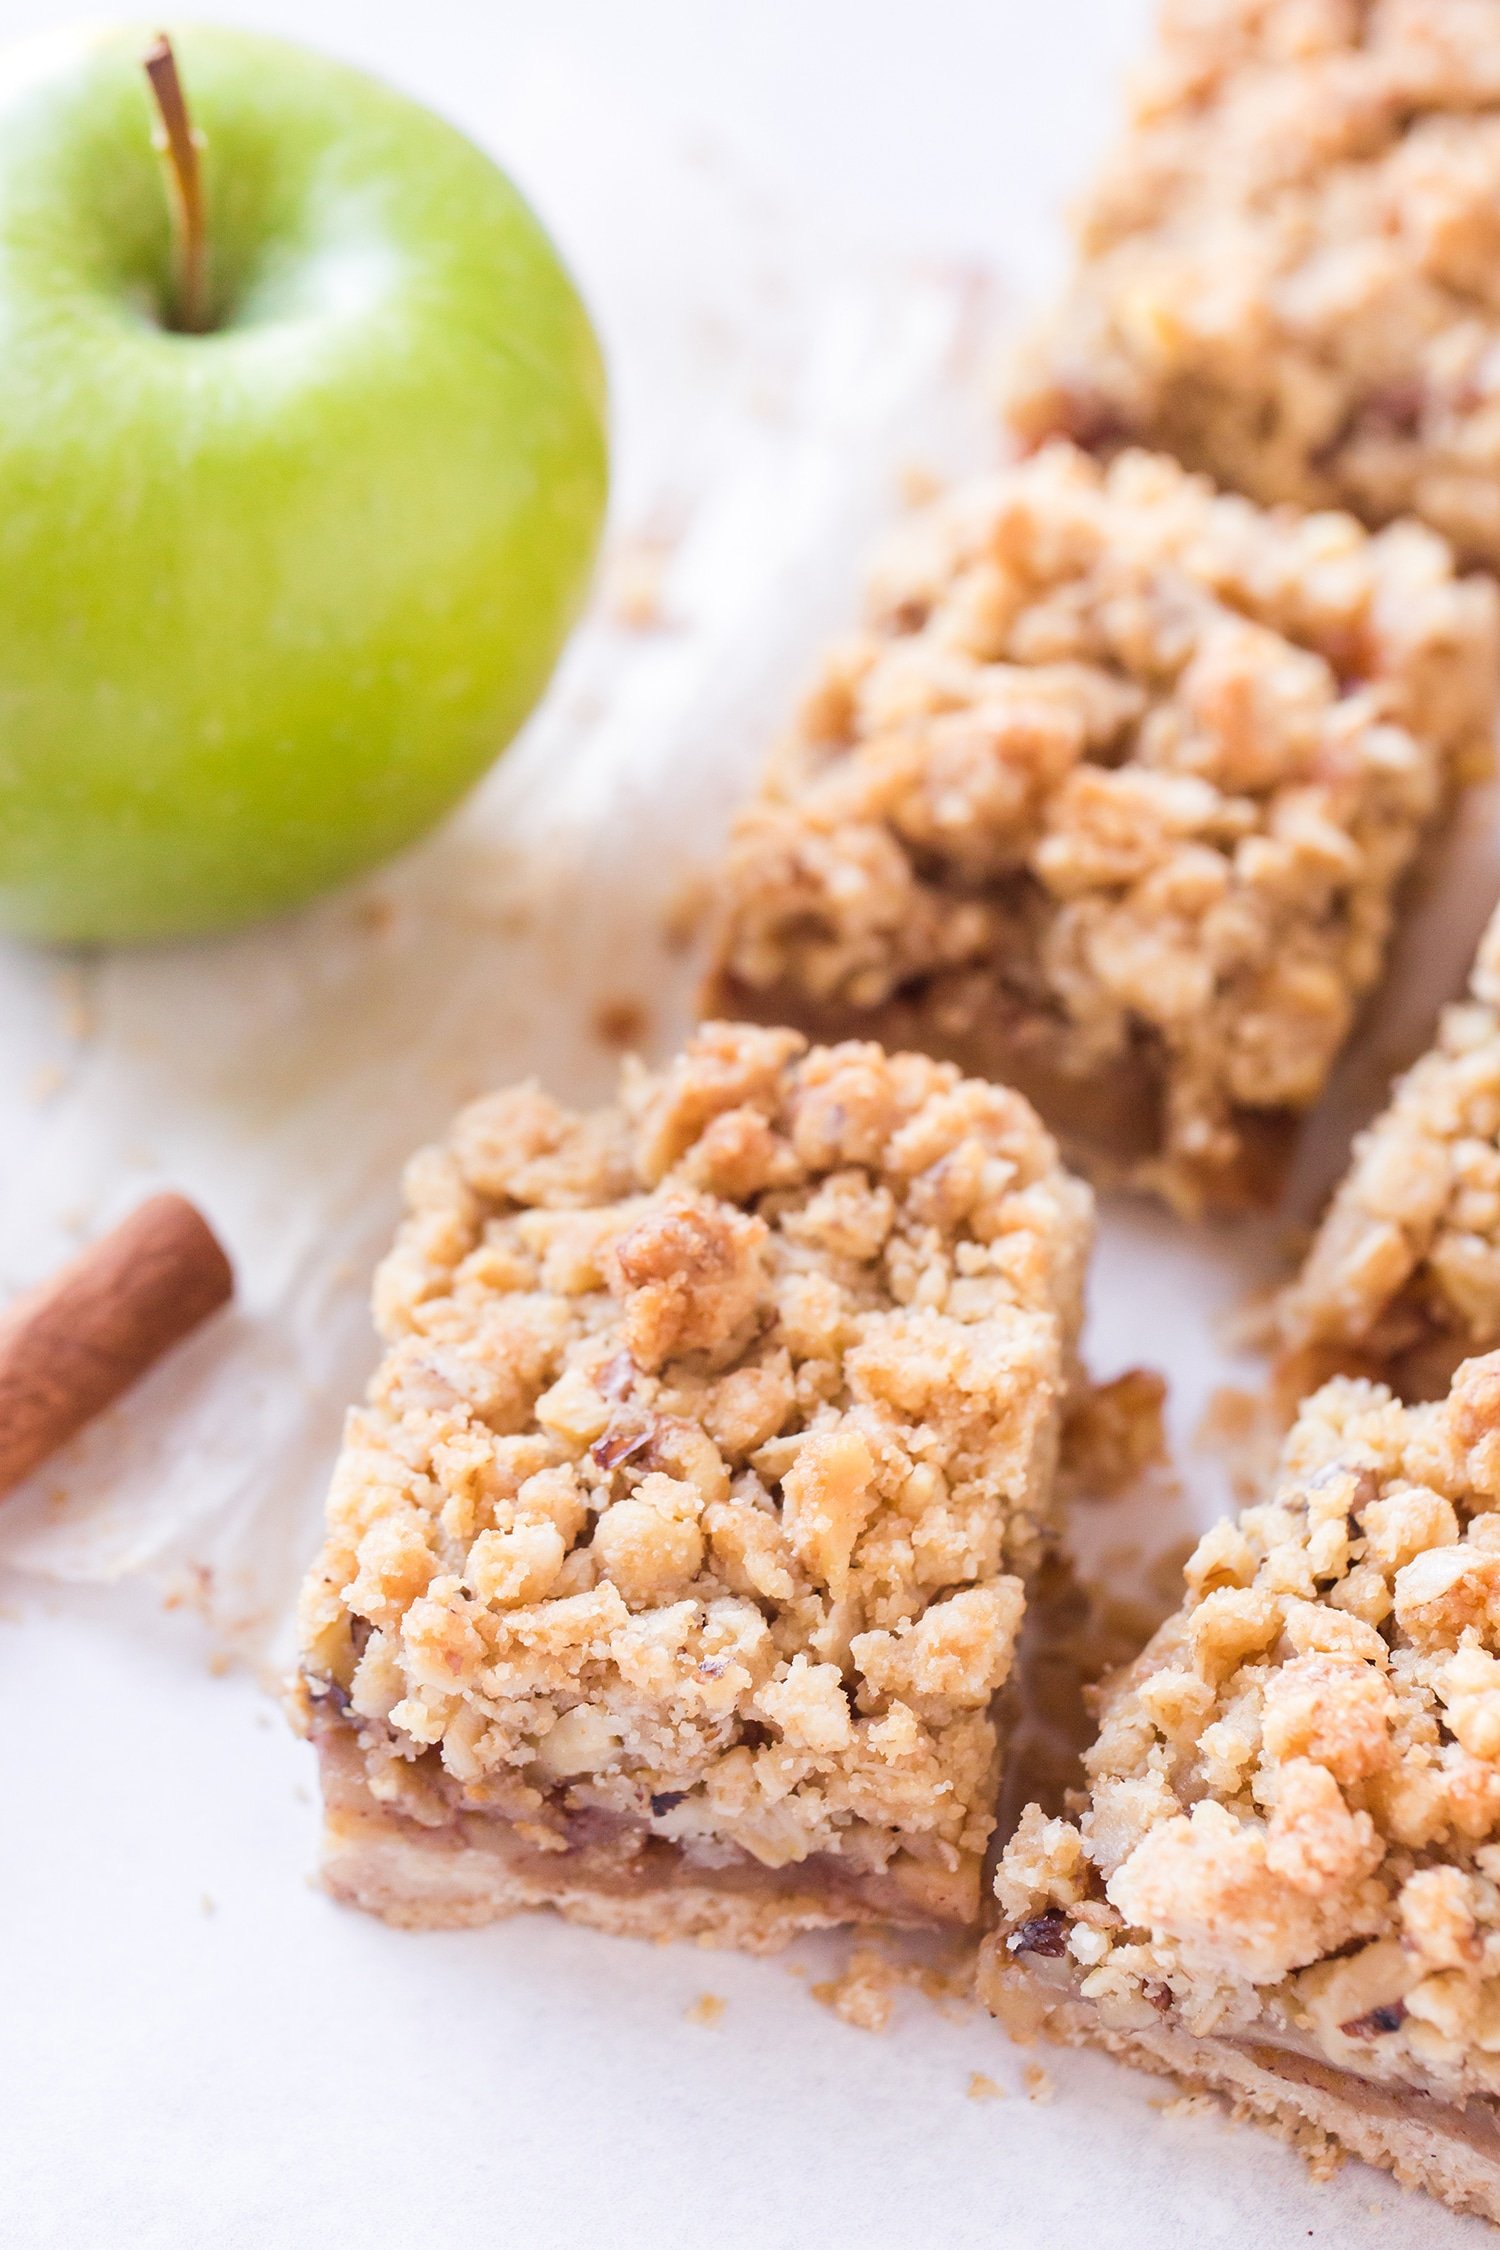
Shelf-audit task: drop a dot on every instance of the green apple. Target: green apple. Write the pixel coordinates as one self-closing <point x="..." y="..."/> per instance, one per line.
<point x="274" y="594"/>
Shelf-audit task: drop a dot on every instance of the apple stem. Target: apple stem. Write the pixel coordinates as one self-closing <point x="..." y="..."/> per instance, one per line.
<point x="180" y="141"/>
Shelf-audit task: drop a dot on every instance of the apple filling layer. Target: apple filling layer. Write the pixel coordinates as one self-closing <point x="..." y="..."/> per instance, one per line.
<point x="1111" y="797"/>
<point x="429" y="1859"/>
<point x="1285" y="1883"/>
<point x="678" y="1553"/>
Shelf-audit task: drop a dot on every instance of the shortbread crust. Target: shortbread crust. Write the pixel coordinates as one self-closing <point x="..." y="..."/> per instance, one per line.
<point x="1289" y="271"/>
<point x="1109" y="800"/>
<point x="675" y="1563"/>
<point x="1285" y="1883"/>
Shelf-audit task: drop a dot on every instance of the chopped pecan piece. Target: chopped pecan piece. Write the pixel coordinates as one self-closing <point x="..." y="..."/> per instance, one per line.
<point x="1044" y="1933"/>
<point x="1389" y="2017"/>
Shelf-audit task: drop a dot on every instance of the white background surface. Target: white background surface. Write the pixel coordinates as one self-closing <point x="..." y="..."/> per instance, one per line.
<point x="780" y="212"/>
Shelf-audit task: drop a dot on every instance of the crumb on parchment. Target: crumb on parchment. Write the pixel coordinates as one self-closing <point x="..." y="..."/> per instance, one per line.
<point x="1039" y="2083"/>
<point x="622" y="1023"/>
<point x="80" y="1013"/>
<point x="47" y="1080"/>
<point x="1113" y="1431"/>
<point x="1242" y="1430"/>
<point x="864" y="1993"/>
<point x="982" y="2088"/>
<point x="634" y="575"/>
<point x="707" y="2009"/>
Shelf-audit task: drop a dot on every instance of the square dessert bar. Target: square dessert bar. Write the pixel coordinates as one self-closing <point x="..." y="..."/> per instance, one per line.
<point x="676" y="1560"/>
<point x="1403" y="1277"/>
<point x="1109" y="801"/>
<point x="1289" y="273"/>
<point x="1286" y="1883"/>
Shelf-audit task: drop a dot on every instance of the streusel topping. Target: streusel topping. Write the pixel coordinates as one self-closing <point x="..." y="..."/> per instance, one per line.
<point x="1410" y="1245"/>
<point x="1127" y="759"/>
<point x="1294" y="1812"/>
<point x="710" y="1449"/>
<point x="1290" y="270"/>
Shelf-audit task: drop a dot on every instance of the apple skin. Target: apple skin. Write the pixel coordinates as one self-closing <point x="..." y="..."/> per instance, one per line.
<point x="271" y="597"/>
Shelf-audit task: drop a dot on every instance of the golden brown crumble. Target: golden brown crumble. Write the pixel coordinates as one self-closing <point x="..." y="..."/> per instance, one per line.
<point x="1114" y="790"/>
<point x="693" y="1499"/>
<point x="1289" y="273"/>
<point x="1405" y="1269"/>
<point x="1292" y="1833"/>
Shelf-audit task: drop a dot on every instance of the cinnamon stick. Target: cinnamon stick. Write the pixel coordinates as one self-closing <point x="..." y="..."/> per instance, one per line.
<point x="71" y="1346"/>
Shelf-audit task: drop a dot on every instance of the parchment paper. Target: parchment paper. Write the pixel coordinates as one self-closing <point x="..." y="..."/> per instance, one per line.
<point x="197" y="2048"/>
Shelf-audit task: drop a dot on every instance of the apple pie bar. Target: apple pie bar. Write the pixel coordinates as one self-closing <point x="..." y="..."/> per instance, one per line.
<point x="675" y="1562"/>
<point x="1109" y="800"/>
<point x="1403" y="1277"/>
<point x="1286" y="1883"/>
<point x="1289" y="272"/>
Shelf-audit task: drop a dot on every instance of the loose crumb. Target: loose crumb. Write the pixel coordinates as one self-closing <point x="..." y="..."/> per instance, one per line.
<point x="50" y="1079"/>
<point x="707" y="2009"/>
<point x="686" y="914"/>
<point x="79" y="1014"/>
<point x="376" y="915"/>
<point x="1114" y="1431"/>
<point x="623" y="1024"/>
<point x="1039" y="2083"/>
<point x="864" y="1994"/>
<point x="1190" y="2105"/>
<point x="1241" y="1430"/>
<point x="634" y="582"/>
<point x="919" y="484"/>
<point x="984" y="2089"/>
<point x="208" y="1904"/>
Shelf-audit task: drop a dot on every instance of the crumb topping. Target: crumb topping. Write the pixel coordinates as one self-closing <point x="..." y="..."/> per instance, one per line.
<point x="1293" y="1824"/>
<point x="1131" y="765"/>
<point x="713" y="1441"/>
<point x="1410" y="1244"/>
<point x="1289" y="273"/>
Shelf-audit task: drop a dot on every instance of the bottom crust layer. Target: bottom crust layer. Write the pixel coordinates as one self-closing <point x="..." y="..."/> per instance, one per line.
<point x="1452" y="2153"/>
<point x="475" y="1868"/>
